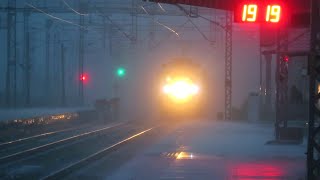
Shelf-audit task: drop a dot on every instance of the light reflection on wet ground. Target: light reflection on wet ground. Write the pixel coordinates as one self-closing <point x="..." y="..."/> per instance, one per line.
<point x="217" y="151"/>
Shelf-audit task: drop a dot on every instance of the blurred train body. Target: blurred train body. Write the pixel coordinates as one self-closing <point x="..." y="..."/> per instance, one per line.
<point x="183" y="90"/>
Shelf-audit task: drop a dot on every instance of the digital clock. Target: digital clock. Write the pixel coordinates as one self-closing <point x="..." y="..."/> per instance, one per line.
<point x="265" y="12"/>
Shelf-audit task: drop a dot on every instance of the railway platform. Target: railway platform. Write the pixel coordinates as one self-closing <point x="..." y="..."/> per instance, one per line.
<point x="217" y="150"/>
<point x="23" y="113"/>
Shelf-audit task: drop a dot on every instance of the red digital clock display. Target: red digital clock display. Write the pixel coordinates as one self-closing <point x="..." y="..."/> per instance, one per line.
<point x="259" y="12"/>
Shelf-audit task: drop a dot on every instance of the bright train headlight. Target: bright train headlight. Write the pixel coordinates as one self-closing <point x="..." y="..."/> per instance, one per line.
<point x="181" y="89"/>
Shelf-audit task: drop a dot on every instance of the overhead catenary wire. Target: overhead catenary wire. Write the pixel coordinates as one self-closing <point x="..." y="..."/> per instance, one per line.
<point x="205" y="18"/>
<point x="161" y="7"/>
<point x="56" y="18"/>
<point x="298" y="36"/>
<point x="178" y="30"/>
<point x="61" y="19"/>
<point x="165" y="26"/>
<point x="118" y="28"/>
<point x="194" y="25"/>
<point x="72" y="9"/>
<point x="144" y="9"/>
<point x="75" y="24"/>
<point x="223" y="27"/>
<point x="199" y="30"/>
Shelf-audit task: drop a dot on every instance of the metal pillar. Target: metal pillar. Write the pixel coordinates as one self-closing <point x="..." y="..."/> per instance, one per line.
<point x="194" y="12"/>
<point x="28" y="69"/>
<point x="134" y="21"/>
<point x="110" y="35"/>
<point x="213" y="29"/>
<point x="281" y="82"/>
<point x="313" y="153"/>
<point x="63" y="88"/>
<point x="54" y="66"/>
<point x="47" y="83"/>
<point x="81" y="51"/>
<point x="27" y="63"/>
<point x="11" y="74"/>
<point x="152" y="29"/>
<point x="228" y="66"/>
<point x="104" y="35"/>
<point x="268" y="91"/>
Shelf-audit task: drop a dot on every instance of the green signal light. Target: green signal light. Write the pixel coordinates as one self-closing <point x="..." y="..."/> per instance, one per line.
<point x="121" y="72"/>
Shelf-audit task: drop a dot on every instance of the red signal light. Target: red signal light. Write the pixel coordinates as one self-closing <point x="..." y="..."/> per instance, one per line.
<point x="83" y="77"/>
<point x="286" y="58"/>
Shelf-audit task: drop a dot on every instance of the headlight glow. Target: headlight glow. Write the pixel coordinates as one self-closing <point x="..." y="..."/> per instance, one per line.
<point x="181" y="89"/>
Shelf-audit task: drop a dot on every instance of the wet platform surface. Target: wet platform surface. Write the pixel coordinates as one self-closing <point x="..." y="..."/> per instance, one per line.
<point x="217" y="151"/>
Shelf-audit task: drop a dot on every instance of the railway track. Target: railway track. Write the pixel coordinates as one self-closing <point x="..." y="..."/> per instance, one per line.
<point x="17" y="145"/>
<point x="20" y="140"/>
<point x="33" y="150"/>
<point x="59" y="158"/>
<point x="91" y="158"/>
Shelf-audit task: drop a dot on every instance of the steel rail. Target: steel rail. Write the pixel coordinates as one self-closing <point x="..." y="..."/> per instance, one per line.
<point x="32" y="151"/>
<point x="39" y="135"/>
<point x="93" y="157"/>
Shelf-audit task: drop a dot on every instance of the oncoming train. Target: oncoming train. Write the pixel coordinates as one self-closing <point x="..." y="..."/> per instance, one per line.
<point x="183" y="89"/>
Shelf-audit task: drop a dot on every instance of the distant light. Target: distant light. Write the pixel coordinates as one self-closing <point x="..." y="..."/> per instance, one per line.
<point x="166" y="89"/>
<point x="181" y="89"/>
<point x="121" y="72"/>
<point x="194" y="89"/>
<point x="83" y="77"/>
<point x="180" y="155"/>
<point x="184" y="155"/>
